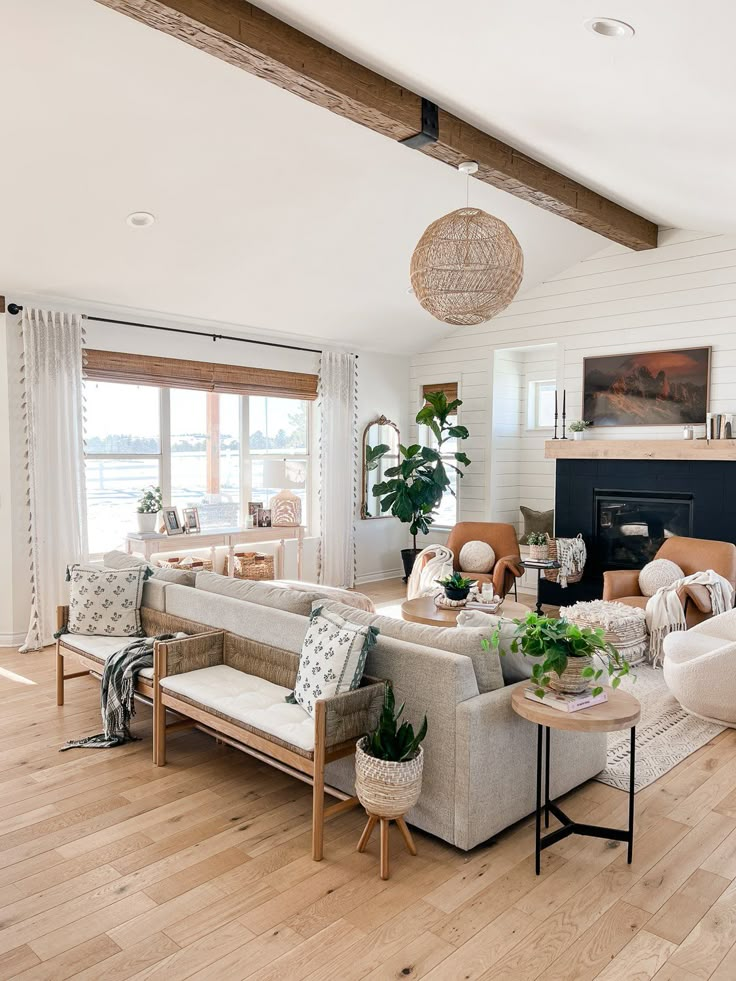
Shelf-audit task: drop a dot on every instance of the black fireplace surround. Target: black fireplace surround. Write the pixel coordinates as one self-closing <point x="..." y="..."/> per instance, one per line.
<point x="625" y="509"/>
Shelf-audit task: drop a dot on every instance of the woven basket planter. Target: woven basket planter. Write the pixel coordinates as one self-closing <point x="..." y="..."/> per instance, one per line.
<point x="553" y="575"/>
<point x="571" y="681"/>
<point x="384" y="788"/>
<point x="539" y="553"/>
<point x="250" y="565"/>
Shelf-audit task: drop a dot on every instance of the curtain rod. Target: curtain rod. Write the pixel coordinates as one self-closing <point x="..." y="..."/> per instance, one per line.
<point x="14" y="309"/>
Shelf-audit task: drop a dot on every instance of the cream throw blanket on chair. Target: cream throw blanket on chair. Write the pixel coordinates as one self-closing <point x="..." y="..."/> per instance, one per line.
<point x="433" y="562"/>
<point x="666" y="613"/>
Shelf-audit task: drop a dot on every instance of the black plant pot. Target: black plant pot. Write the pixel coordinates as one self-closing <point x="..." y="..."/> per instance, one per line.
<point x="408" y="557"/>
<point x="457" y="594"/>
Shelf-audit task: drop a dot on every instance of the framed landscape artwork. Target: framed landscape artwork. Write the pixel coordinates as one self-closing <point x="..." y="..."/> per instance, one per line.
<point x="657" y="388"/>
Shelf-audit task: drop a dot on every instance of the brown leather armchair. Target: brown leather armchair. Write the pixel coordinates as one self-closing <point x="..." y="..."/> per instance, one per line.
<point x="692" y="555"/>
<point x="502" y="539"/>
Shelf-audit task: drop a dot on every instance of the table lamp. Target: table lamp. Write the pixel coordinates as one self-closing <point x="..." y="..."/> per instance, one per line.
<point x="286" y="507"/>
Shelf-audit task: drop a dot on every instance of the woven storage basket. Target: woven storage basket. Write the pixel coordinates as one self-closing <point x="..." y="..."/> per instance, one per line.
<point x="250" y="565"/>
<point x="624" y="626"/>
<point x="384" y="788"/>
<point x="540" y="553"/>
<point x="187" y="562"/>
<point x="571" y="681"/>
<point x="553" y="575"/>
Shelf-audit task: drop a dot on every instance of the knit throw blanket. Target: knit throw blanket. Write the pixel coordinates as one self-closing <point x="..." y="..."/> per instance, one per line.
<point x="116" y="694"/>
<point x="571" y="554"/>
<point x="665" y="611"/>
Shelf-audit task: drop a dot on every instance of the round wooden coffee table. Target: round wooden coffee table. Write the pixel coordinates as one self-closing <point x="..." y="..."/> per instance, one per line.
<point x="621" y="711"/>
<point x="423" y="610"/>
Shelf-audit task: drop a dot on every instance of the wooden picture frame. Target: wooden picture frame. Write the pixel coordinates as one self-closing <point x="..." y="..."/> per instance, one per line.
<point x="172" y="521"/>
<point x="647" y="388"/>
<point x="190" y="520"/>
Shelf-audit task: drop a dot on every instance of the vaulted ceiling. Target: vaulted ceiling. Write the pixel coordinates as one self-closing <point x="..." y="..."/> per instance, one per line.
<point x="277" y="215"/>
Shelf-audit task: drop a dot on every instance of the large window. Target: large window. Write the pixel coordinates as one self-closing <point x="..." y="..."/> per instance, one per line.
<point x="446" y="514"/>
<point x="190" y="443"/>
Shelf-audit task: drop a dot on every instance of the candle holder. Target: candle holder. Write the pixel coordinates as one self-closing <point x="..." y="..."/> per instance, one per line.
<point x="564" y="404"/>
<point x="555" y="435"/>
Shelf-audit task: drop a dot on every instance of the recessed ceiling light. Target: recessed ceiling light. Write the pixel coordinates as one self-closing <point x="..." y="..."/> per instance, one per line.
<point x="140" y="219"/>
<point x="607" y="27"/>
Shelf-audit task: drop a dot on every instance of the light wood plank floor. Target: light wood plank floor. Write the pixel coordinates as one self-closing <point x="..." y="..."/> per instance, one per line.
<point x="111" y="868"/>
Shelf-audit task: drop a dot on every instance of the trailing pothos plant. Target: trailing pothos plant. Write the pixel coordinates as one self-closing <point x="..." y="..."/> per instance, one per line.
<point x="553" y="641"/>
<point x="389" y="740"/>
<point x="413" y="490"/>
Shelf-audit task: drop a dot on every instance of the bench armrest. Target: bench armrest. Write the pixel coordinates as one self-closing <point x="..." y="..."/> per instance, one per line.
<point x="352" y="714"/>
<point x="188" y="653"/>
<point x="62" y="617"/>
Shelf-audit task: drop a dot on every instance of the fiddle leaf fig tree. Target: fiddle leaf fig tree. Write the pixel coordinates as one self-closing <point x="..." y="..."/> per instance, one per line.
<point x="413" y="489"/>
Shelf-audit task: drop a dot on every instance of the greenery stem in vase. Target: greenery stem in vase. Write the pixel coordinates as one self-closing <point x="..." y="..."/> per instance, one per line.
<point x="556" y="643"/>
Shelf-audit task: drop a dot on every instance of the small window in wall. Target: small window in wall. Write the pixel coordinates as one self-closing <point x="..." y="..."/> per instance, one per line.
<point x="541" y="404"/>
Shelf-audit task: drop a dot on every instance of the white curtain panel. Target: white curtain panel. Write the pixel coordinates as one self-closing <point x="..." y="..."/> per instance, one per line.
<point x="53" y="409"/>
<point x="338" y="402"/>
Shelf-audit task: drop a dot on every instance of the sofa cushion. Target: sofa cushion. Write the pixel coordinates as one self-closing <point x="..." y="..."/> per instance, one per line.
<point x="514" y="665"/>
<point x="332" y="658"/>
<point x="116" y="559"/>
<point x="263" y="593"/>
<point x="259" y="623"/>
<point x="245" y="698"/>
<point x="486" y="664"/>
<point x="539" y="521"/>
<point x="100" y="648"/>
<point x="105" y="602"/>
<point x="182" y="577"/>
<point x="350" y="597"/>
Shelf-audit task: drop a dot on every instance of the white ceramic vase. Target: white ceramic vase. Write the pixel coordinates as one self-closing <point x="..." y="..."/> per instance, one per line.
<point x="579" y="435"/>
<point x="147" y="521"/>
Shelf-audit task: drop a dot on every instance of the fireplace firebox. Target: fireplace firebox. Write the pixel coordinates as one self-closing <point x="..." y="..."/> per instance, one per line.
<point x="630" y="526"/>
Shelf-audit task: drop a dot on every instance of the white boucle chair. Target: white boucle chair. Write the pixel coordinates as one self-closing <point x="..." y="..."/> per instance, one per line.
<point x="700" y="668"/>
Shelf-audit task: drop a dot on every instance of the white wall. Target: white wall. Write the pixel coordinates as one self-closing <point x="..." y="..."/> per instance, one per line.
<point x="681" y="294"/>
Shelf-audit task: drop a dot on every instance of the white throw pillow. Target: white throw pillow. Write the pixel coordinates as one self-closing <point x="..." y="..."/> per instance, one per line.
<point x="656" y="574"/>
<point x="105" y="602"/>
<point x="476" y="557"/>
<point x="332" y="658"/>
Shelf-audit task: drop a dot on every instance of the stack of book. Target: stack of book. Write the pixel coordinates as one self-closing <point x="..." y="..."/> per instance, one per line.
<point x="564" y="702"/>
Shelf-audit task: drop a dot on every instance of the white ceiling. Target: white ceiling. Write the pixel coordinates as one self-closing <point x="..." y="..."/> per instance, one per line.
<point x="272" y="214"/>
<point x="649" y="121"/>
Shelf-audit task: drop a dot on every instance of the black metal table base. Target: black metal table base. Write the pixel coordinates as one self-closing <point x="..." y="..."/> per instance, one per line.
<point x="545" y="807"/>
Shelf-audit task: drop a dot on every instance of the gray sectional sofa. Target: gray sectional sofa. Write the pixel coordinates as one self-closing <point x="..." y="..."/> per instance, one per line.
<point x="479" y="755"/>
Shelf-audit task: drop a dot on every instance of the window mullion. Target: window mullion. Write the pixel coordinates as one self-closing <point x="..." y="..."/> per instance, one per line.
<point x="165" y="432"/>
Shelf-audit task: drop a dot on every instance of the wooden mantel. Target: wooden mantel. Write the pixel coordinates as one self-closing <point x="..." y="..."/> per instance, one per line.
<point x="640" y="449"/>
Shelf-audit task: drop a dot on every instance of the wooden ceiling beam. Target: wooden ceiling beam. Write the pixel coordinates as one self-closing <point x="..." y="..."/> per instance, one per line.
<point x="247" y="37"/>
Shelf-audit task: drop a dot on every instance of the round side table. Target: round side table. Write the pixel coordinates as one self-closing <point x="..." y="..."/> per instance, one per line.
<point x="423" y="610"/>
<point x="621" y="711"/>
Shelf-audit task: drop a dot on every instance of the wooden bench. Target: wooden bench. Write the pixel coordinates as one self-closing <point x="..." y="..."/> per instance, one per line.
<point x="235" y="690"/>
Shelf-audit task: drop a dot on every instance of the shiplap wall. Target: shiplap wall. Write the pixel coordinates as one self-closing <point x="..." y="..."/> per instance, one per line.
<point x="681" y="294"/>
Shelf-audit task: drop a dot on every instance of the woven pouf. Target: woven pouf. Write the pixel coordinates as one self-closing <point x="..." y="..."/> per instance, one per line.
<point x="625" y="626"/>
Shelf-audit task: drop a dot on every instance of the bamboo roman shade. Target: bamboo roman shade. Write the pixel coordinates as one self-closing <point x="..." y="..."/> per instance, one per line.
<point x="449" y="388"/>
<point x="139" y="369"/>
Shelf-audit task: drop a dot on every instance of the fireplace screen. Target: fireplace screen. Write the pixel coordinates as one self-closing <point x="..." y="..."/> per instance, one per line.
<point x="631" y="526"/>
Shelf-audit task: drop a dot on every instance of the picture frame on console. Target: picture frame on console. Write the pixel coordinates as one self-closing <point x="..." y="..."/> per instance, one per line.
<point x="191" y="520"/>
<point x="650" y="388"/>
<point x="172" y="522"/>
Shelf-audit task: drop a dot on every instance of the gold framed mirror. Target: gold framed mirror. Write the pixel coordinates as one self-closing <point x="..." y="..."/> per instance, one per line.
<point x="378" y="432"/>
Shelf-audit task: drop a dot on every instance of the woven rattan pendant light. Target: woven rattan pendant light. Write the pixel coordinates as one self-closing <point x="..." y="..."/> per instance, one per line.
<point x="467" y="266"/>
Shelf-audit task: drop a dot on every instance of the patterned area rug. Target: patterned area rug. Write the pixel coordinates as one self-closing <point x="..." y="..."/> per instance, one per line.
<point x="665" y="735"/>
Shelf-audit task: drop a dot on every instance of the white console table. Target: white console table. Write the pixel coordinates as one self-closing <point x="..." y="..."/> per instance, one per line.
<point x="148" y="545"/>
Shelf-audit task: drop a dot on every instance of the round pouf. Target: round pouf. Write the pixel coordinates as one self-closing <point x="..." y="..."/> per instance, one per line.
<point x="476" y="557"/>
<point x="659" y="573"/>
<point x="384" y="788"/>
<point x="467" y="267"/>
